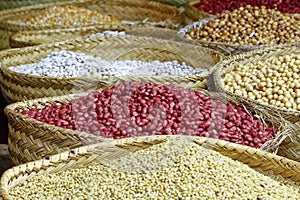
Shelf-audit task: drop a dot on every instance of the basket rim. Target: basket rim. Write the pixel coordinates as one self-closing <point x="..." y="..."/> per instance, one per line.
<point x="5" y="15"/>
<point x="67" y="156"/>
<point x="36" y="37"/>
<point x="28" y="33"/>
<point x="11" y="110"/>
<point x="245" y="56"/>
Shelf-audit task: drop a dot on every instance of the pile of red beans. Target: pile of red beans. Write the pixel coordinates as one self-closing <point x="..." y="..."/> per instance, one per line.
<point x="139" y="109"/>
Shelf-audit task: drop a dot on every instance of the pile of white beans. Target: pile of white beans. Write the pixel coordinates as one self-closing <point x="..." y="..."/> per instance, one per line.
<point x="73" y="64"/>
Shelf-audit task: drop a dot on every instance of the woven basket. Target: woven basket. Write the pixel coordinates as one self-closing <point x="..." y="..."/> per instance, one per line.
<point x="30" y="139"/>
<point x="18" y="86"/>
<point x="131" y="13"/>
<point x="192" y="14"/>
<point x="224" y="48"/>
<point x="291" y="147"/>
<point x="36" y="37"/>
<point x="85" y="156"/>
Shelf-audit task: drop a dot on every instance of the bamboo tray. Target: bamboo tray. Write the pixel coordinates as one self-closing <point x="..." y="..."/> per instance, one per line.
<point x="85" y="156"/>
<point x="291" y="147"/>
<point x="131" y="13"/>
<point x="19" y="86"/>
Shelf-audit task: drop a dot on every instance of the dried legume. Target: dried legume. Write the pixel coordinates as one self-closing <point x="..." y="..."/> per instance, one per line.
<point x="136" y="109"/>
<point x="274" y="81"/>
<point x="249" y="26"/>
<point x="185" y="171"/>
<point x="67" y="15"/>
<point x="288" y="6"/>
<point x="71" y="64"/>
<point x="219" y="6"/>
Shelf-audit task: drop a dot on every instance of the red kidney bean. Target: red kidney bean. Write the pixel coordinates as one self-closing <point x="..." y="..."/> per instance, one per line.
<point x="219" y="6"/>
<point x="134" y="109"/>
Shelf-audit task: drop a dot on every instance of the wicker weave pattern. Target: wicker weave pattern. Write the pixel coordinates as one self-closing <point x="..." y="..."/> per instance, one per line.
<point x="36" y="37"/>
<point x="46" y="139"/>
<point x="30" y="139"/>
<point x="133" y="10"/>
<point x="290" y="147"/>
<point x="19" y="86"/>
<point x="83" y="156"/>
<point x="192" y="14"/>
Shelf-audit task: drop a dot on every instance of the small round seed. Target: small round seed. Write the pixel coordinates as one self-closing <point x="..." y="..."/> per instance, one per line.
<point x="173" y="170"/>
<point x="73" y="64"/>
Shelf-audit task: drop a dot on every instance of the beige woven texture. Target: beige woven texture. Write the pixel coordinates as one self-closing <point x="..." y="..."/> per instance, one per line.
<point x="30" y="139"/>
<point x="18" y="87"/>
<point x="36" y="37"/>
<point x="290" y="148"/>
<point x="127" y="11"/>
<point x="192" y="14"/>
<point x="98" y="154"/>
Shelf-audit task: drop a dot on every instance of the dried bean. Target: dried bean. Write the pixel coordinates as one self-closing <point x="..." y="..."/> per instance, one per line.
<point x="173" y="170"/>
<point x="70" y="64"/>
<point x="135" y="109"/>
<point x="248" y="26"/>
<point x="274" y="81"/>
<point x="219" y="6"/>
